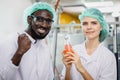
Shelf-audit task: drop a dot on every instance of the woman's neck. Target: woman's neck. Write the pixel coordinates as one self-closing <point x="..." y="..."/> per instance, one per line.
<point x="92" y="44"/>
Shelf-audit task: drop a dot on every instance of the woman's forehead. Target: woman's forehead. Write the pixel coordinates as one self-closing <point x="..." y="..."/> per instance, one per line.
<point x="89" y="19"/>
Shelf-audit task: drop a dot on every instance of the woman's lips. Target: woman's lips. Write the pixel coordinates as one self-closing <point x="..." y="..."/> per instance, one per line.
<point x="90" y="32"/>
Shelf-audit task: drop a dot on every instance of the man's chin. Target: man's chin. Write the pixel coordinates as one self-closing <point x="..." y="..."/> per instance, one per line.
<point x="40" y="36"/>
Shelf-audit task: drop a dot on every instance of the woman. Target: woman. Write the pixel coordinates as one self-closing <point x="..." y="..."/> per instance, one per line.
<point x="90" y="60"/>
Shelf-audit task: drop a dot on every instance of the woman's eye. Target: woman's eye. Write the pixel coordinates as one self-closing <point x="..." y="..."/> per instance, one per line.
<point x="94" y="23"/>
<point x="84" y="23"/>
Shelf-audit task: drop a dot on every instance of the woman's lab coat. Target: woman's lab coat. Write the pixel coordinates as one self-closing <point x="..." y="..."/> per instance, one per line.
<point x="101" y="65"/>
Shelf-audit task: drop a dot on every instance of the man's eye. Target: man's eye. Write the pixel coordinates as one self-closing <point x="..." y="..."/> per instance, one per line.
<point x="49" y="20"/>
<point x="40" y="19"/>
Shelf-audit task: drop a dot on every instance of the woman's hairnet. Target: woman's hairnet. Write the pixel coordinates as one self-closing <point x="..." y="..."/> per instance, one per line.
<point x="35" y="7"/>
<point x="95" y="13"/>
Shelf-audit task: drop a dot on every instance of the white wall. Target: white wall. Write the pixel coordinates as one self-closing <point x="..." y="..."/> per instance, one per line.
<point x="11" y="16"/>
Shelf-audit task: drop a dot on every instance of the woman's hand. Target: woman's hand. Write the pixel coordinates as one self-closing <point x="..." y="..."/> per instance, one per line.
<point x="75" y="59"/>
<point x="71" y="57"/>
<point x="66" y="60"/>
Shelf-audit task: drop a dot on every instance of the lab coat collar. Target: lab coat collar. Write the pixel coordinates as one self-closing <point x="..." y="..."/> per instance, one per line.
<point x="32" y="40"/>
<point x="35" y="41"/>
<point x="93" y="57"/>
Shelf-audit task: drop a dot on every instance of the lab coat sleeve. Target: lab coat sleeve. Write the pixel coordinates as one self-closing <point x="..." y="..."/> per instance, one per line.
<point x="51" y="74"/>
<point x="62" y="76"/>
<point x="8" y="71"/>
<point x="7" y="68"/>
<point x="109" y="71"/>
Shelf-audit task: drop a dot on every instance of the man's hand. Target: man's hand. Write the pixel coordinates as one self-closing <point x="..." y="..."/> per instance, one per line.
<point x="24" y="45"/>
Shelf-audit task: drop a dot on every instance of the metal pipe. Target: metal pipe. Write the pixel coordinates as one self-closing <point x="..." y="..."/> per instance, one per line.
<point x="115" y="46"/>
<point x="54" y="48"/>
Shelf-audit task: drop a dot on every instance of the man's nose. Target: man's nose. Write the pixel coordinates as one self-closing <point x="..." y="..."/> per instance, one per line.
<point x="42" y="23"/>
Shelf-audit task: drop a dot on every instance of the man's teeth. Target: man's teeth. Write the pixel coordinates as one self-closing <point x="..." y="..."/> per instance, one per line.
<point x="41" y="30"/>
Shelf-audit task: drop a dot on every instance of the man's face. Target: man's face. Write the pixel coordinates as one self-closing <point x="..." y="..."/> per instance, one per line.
<point x="40" y="24"/>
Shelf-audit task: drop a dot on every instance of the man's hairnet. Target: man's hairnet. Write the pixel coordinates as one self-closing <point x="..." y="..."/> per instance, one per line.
<point x="35" y="7"/>
<point x="95" y="13"/>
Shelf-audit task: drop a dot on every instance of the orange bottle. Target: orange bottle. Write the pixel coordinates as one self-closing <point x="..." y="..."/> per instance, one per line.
<point x="67" y="46"/>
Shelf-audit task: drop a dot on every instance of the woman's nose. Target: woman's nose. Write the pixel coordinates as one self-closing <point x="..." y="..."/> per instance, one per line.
<point x="89" y="26"/>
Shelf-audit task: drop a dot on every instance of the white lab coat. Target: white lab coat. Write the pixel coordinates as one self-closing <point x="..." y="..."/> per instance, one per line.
<point x="36" y="63"/>
<point x="101" y="65"/>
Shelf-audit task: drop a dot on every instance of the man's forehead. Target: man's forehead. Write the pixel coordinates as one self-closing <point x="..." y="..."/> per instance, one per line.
<point x="43" y="12"/>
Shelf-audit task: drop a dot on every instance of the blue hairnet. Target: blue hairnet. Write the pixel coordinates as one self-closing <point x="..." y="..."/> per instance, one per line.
<point x="35" y="7"/>
<point x="95" y="13"/>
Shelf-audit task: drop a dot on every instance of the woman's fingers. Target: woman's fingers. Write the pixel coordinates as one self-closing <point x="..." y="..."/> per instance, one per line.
<point x="73" y="57"/>
<point x="69" y="57"/>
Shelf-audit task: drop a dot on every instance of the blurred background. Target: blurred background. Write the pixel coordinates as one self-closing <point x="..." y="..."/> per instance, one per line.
<point x="11" y="21"/>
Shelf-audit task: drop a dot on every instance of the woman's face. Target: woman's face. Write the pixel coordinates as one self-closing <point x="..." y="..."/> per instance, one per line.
<point x="91" y="28"/>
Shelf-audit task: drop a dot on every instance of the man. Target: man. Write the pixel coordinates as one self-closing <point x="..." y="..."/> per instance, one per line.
<point x="26" y="55"/>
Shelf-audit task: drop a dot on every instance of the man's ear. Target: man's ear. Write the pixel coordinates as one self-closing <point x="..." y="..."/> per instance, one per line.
<point x="29" y="19"/>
